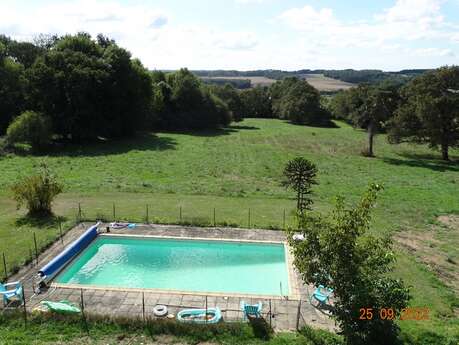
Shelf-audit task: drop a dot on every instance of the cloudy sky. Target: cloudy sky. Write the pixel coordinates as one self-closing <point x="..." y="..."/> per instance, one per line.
<point x="255" y="34"/>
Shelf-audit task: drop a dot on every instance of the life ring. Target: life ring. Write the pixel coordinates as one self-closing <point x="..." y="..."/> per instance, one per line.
<point x="160" y="310"/>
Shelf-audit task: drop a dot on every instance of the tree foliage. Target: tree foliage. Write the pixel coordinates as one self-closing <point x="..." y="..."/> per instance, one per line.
<point x="338" y="252"/>
<point x="430" y="111"/>
<point x="182" y="101"/>
<point x="300" y="175"/>
<point x="12" y="85"/>
<point x="37" y="192"/>
<point x="231" y="96"/>
<point x="32" y="128"/>
<point x="90" y="89"/>
<point x="257" y="102"/>
<point x="368" y="107"/>
<point x="296" y="100"/>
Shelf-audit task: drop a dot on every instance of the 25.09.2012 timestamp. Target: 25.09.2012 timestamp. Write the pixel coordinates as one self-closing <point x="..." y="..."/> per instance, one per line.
<point x="413" y="313"/>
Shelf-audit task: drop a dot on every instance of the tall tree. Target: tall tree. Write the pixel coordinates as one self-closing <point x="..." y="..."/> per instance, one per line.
<point x="430" y="111"/>
<point x="377" y="104"/>
<point x="339" y="253"/>
<point x="300" y="175"/>
<point x="257" y="102"/>
<point x="232" y="98"/>
<point x="90" y="88"/>
<point x="12" y="85"/>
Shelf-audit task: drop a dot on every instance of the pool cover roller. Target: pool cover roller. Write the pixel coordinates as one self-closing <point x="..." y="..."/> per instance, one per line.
<point x="54" y="266"/>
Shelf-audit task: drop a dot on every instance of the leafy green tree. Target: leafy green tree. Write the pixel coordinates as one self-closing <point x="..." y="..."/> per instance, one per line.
<point x="90" y="88"/>
<point x="338" y="252"/>
<point x="232" y="98"/>
<point x="375" y="107"/>
<point x="300" y="175"/>
<point x="32" y="128"/>
<point x="12" y="84"/>
<point x="430" y="111"/>
<point x="301" y="105"/>
<point x="278" y="90"/>
<point x="257" y="102"/>
<point x="184" y="102"/>
<point x="344" y="103"/>
<point x="37" y="192"/>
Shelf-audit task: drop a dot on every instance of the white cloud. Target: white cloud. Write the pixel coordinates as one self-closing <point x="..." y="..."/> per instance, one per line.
<point x="433" y="52"/>
<point x="309" y="19"/>
<point x="413" y="11"/>
<point x="318" y="38"/>
<point x="392" y="29"/>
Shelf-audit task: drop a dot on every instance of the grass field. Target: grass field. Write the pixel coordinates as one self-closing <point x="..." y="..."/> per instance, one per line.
<point x="70" y="330"/>
<point x="239" y="168"/>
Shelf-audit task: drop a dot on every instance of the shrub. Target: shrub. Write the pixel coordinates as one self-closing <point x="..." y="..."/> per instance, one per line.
<point x="37" y="191"/>
<point x="321" y="337"/>
<point x="30" y="127"/>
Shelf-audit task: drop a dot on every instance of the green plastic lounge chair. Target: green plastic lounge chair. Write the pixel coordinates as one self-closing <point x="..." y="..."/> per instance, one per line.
<point x="11" y="291"/>
<point x="321" y="294"/>
<point x="62" y="307"/>
<point x="251" y="310"/>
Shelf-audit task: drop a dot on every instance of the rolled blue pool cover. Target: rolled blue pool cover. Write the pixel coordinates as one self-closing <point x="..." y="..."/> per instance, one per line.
<point x="52" y="267"/>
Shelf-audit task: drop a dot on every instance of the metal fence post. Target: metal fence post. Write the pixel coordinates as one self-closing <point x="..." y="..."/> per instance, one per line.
<point x="205" y="315"/>
<point x="31" y="256"/>
<point x="147" y="214"/>
<point x="298" y="316"/>
<point x="143" y="306"/>
<point x="180" y="214"/>
<point x="249" y="217"/>
<point x="4" y="267"/>
<point x="270" y="315"/>
<point x="83" y="316"/>
<point x="79" y="212"/>
<point x="36" y="247"/>
<point x="283" y="223"/>
<point x="114" y="213"/>
<point x="215" y="224"/>
<point x="60" y="232"/>
<point x="25" y="307"/>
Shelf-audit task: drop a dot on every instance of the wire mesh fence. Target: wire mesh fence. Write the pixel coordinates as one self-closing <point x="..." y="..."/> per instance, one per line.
<point x="37" y="241"/>
<point x="278" y="314"/>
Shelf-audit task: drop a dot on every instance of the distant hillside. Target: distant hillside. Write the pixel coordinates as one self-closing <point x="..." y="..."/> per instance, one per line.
<point x="347" y="75"/>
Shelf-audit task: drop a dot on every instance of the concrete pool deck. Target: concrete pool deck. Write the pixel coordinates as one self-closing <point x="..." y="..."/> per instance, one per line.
<point x="126" y="302"/>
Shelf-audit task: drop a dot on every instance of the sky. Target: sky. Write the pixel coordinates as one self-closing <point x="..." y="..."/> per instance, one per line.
<point x="255" y="34"/>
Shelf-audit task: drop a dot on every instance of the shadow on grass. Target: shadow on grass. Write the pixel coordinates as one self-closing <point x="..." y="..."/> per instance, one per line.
<point x="48" y="221"/>
<point x="214" y="132"/>
<point x="261" y="329"/>
<point x="327" y="124"/>
<point x="428" y="161"/>
<point x="141" y="142"/>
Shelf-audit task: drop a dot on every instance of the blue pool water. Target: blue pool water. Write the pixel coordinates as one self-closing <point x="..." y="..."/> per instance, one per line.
<point x="189" y="265"/>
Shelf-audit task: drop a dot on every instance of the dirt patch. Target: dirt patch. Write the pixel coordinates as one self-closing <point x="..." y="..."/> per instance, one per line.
<point x="451" y="221"/>
<point x="437" y="248"/>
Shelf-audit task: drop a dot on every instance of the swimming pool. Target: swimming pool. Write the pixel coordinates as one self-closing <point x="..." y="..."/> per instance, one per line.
<point x="182" y="265"/>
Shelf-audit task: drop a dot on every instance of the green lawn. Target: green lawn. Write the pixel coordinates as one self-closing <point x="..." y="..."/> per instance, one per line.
<point x="238" y="169"/>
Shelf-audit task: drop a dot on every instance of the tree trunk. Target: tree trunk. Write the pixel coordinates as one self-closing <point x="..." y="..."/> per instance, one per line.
<point x="444" y="151"/>
<point x="371" y="134"/>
